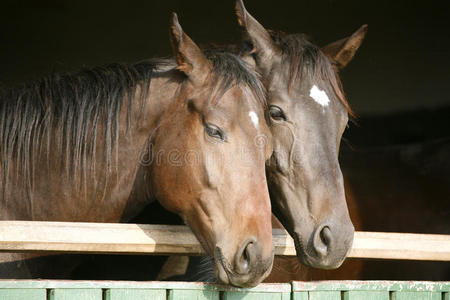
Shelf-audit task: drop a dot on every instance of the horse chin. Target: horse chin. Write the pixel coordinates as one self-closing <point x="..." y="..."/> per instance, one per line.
<point x="313" y="263"/>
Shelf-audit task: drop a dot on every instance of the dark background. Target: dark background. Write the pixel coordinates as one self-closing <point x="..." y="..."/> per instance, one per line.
<point x="398" y="84"/>
<point x="403" y="64"/>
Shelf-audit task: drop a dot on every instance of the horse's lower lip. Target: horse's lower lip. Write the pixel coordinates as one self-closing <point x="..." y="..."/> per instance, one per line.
<point x="312" y="262"/>
<point x="221" y="274"/>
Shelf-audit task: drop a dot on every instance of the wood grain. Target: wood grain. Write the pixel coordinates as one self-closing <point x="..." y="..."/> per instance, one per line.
<point x="25" y="236"/>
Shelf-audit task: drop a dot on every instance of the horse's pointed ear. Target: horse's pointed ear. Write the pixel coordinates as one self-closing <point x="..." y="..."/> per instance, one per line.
<point x="263" y="45"/>
<point x="189" y="57"/>
<point x="342" y="51"/>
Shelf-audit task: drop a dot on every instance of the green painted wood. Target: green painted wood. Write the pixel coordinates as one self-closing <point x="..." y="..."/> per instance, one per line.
<point x="365" y="295"/>
<point x="325" y="295"/>
<point x="23" y="294"/>
<point x="300" y="296"/>
<point x="76" y="294"/>
<point x="358" y="285"/>
<point x="135" y="294"/>
<point x="255" y="296"/>
<point x="193" y="295"/>
<point x="169" y="285"/>
<point x="416" y="296"/>
<point x="121" y="290"/>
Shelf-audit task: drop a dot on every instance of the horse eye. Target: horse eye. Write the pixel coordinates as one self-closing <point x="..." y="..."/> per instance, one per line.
<point x="277" y="113"/>
<point x="215" y="132"/>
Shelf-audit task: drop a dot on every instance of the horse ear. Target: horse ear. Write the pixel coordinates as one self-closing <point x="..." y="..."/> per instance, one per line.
<point x="189" y="57"/>
<point x="263" y="45"/>
<point x="342" y="51"/>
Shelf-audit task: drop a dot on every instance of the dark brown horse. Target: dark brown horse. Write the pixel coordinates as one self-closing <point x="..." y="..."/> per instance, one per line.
<point x="309" y="113"/>
<point x="395" y="188"/>
<point x="98" y="145"/>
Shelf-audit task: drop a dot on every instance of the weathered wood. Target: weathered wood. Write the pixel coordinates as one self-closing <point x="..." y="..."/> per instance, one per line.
<point x="149" y="285"/>
<point x="141" y="294"/>
<point x="23" y="294"/>
<point x="324" y="295"/>
<point x="24" y="236"/>
<point x="121" y="290"/>
<point x="371" y="285"/>
<point x="193" y="295"/>
<point x="365" y="295"/>
<point x="409" y="246"/>
<point x="416" y="296"/>
<point x="256" y="296"/>
<point x="76" y="294"/>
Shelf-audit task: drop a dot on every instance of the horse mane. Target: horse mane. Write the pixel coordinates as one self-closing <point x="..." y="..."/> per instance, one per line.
<point x="229" y="69"/>
<point x="307" y="60"/>
<point x="66" y="111"/>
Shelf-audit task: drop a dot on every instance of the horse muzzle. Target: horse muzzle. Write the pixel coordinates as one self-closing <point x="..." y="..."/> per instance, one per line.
<point x="246" y="269"/>
<point x="326" y="248"/>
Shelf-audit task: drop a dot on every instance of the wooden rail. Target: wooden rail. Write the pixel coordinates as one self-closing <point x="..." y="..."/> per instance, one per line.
<point x="25" y="236"/>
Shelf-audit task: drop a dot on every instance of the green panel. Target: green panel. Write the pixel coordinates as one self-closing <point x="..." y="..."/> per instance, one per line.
<point x="325" y="295"/>
<point x="446" y="296"/>
<point x="23" y="294"/>
<point x="232" y="295"/>
<point x="416" y="296"/>
<point x="135" y="294"/>
<point x="300" y="296"/>
<point x="76" y="294"/>
<point x="366" y="295"/>
<point x="193" y="295"/>
<point x="359" y="285"/>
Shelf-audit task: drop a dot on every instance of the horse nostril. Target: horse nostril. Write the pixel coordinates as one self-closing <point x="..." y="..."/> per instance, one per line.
<point x="322" y="241"/>
<point x="325" y="235"/>
<point x="245" y="257"/>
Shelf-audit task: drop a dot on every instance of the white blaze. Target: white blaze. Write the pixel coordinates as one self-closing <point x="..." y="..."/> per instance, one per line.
<point x="254" y="118"/>
<point x="319" y="96"/>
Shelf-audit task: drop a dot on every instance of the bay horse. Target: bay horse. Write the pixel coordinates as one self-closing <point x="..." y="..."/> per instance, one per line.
<point x="98" y="145"/>
<point x="309" y="113"/>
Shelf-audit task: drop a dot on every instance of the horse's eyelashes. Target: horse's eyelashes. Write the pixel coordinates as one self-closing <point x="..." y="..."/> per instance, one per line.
<point x="277" y="113"/>
<point x="215" y="132"/>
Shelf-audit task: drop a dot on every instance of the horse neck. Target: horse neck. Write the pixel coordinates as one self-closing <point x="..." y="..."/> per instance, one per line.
<point x="162" y="93"/>
<point x="55" y="195"/>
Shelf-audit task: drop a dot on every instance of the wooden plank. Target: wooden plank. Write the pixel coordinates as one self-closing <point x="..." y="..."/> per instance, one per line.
<point x="325" y="295"/>
<point x="24" y="236"/>
<point x="408" y="246"/>
<point x="374" y="285"/>
<point x="300" y="296"/>
<point x="365" y="295"/>
<point x="76" y="294"/>
<point x="167" y="285"/>
<point x="135" y="294"/>
<point x="193" y="295"/>
<point x="255" y="296"/>
<point x="416" y="296"/>
<point x="23" y="294"/>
